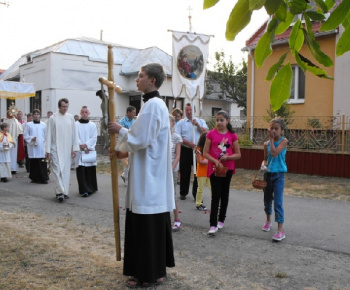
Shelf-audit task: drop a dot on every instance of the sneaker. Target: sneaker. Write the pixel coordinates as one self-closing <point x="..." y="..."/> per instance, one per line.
<point x="212" y="231"/>
<point x="60" y="197"/>
<point x="220" y="225"/>
<point x="279" y="236"/>
<point x="266" y="227"/>
<point x="201" y="207"/>
<point x="85" y="194"/>
<point x="177" y="225"/>
<point x="123" y="178"/>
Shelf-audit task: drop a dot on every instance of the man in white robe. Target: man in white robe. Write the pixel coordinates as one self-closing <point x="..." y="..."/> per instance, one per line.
<point x="15" y="129"/>
<point x="35" y="137"/>
<point x="86" y="171"/>
<point x="61" y="145"/>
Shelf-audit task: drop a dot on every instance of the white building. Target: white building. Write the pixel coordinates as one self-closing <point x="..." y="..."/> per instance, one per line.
<point x="71" y="69"/>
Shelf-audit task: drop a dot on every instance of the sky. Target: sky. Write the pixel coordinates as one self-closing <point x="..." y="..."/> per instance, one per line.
<point x="28" y="25"/>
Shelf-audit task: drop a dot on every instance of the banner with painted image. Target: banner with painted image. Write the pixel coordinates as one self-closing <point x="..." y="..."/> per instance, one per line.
<point x="190" y="54"/>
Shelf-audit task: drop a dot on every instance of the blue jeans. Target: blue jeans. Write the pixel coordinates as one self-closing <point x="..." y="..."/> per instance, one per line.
<point x="274" y="191"/>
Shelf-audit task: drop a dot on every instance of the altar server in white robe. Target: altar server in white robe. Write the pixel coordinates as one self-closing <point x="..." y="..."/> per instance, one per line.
<point x="148" y="248"/>
<point x="61" y="145"/>
<point x="6" y="143"/>
<point x="86" y="171"/>
<point x="35" y="136"/>
<point x="15" y="129"/>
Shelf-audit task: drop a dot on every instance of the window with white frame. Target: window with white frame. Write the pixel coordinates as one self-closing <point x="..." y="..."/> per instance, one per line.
<point x="297" y="93"/>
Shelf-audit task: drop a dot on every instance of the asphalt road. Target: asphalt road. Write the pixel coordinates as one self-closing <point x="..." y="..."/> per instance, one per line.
<point x="319" y="224"/>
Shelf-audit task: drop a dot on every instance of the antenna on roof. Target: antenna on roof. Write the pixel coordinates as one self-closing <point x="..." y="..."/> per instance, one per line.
<point x="190" y="17"/>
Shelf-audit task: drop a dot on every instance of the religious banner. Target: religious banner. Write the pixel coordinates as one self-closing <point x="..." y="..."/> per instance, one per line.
<point x="16" y="90"/>
<point x="190" y="54"/>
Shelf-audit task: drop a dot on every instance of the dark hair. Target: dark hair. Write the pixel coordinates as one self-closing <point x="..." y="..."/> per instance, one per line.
<point x="49" y="112"/>
<point x="3" y="125"/>
<point x="155" y="70"/>
<point x="201" y="141"/>
<point x="62" y="100"/>
<point x="130" y="109"/>
<point x="35" y="111"/>
<point x="29" y="115"/>
<point x="227" y="117"/>
<point x="279" y="121"/>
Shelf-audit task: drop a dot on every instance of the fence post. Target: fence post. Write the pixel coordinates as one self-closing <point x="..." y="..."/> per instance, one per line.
<point x="342" y="133"/>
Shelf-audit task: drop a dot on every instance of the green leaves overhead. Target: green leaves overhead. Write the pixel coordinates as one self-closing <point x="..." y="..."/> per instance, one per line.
<point x="238" y="19"/>
<point x="296" y="38"/>
<point x="209" y="3"/>
<point x="337" y="17"/>
<point x="281" y="86"/>
<point x="283" y="14"/>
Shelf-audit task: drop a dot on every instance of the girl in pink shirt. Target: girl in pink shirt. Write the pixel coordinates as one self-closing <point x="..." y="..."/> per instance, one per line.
<point x="221" y="149"/>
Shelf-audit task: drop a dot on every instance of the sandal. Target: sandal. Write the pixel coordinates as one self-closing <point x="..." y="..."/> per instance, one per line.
<point x="176" y="226"/>
<point x="133" y="283"/>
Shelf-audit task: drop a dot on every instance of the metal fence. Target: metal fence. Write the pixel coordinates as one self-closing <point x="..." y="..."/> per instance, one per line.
<point x="316" y="134"/>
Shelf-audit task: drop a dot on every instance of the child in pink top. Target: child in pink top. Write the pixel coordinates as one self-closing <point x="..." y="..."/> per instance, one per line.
<point x="221" y="149"/>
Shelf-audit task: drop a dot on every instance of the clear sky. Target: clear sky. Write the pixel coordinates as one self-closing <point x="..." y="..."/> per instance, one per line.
<point x="27" y="25"/>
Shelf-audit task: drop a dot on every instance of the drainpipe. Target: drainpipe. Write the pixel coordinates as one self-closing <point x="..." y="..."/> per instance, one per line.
<point x="252" y="92"/>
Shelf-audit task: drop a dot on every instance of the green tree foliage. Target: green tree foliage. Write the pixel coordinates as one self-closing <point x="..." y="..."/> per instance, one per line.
<point x="283" y="112"/>
<point x="282" y="14"/>
<point x="231" y="78"/>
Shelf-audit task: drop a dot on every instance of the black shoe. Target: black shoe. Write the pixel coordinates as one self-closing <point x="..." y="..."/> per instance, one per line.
<point x="202" y="207"/>
<point x="60" y="197"/>
<point x="21" y="166"/>
<point x="13" y="172"/>
<point x="182" y="197"/>
<point x="4" y="179"/>
<point x="85" y="194"/>
<point x="123" y="178"/>
<point x="44" y="182"/>
<point x="66" y="196"/>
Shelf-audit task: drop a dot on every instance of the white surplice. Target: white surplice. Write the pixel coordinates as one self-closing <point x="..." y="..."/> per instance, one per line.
<point x="15" y="129"/>
<point x="61" y="141"/>
<point x="87" y="134"/>
<point x="150" y="181"/>
<point x="35" y="149"/>
<point x="5" y="159"/>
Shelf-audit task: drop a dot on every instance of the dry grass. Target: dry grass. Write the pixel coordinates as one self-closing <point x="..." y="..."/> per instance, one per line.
<point x="36" y="253"/>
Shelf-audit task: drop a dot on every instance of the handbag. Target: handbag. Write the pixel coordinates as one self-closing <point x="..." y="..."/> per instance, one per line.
<point x="259" y="183"/>
<point x="88" y="158"/>
<point x="220" y="172"/>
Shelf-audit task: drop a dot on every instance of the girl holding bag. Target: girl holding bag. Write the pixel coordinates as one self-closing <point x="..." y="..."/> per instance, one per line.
<point x="221" y="149"/>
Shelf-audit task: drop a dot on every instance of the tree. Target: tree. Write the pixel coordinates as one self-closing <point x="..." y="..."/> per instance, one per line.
<point x="231" y="78"/>
<point x="332" y="13"/>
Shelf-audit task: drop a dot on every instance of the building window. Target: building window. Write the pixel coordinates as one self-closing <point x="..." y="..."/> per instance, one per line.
<point x="136" y="102"/>
<point x="297" y="93"/>
<point x="35" y="102"/>
<point x="214" y="111"/>
<point x="172" y="103"/>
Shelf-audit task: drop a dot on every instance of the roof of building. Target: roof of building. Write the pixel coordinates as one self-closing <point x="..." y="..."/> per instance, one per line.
<point x="131" y="59"/>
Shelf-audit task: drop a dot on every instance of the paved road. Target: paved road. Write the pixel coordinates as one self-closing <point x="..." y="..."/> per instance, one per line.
<point x="319" y="224"/>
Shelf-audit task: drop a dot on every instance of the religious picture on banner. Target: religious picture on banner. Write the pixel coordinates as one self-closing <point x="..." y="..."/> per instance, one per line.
<point x="190" y="62"/>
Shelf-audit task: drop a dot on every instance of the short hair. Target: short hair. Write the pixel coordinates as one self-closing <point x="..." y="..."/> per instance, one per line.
<point x="29" y="115"/>
<point x="36" y="111"/>
<point x="130" y="109"/>
<point x="3" y="125"/>
<point x="176" y="111"/>
<point x="65" y="100"/>
<point x="155" y="70"/>
<point x="279" y="121"/>
<point x="49" y="112"/>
